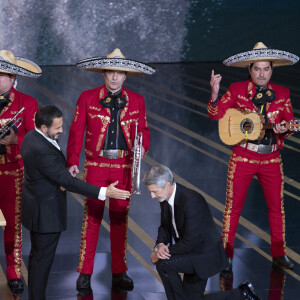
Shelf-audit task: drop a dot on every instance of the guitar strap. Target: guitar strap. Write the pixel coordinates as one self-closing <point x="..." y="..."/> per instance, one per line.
<point x="261" y="109"/>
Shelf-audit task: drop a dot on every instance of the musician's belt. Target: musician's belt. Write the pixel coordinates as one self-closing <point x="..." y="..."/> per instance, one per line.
<point x="261" y="149"/>
<point x="113" y="153"/>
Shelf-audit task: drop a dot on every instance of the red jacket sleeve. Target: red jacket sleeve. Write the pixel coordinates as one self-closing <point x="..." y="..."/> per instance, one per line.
<point x="31" y="107"/>
<point x="76" y="134"/>
<point x="143" y="125"/>
<point x="216" y="111"/>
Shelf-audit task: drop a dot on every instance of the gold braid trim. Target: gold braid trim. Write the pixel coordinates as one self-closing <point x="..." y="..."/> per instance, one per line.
<point x="83" y="230"/>
<point x="107" y="165"/>
<point x="213" y="110"/>
<point x="282" y="206"/>
<point x="18" y="227"/>
<point x="229" y="199"/>
<point x="125" y="240"/>
<point x="263" y="162"/>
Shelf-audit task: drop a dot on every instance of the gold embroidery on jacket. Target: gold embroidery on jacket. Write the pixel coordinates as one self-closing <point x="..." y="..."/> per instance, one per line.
<point x="101" y="93"/>
<point x="242" y="97"/>
<point x="95" y="108"/>
<point x="88" y="152"/>
<point x="134" y="112"/>
<point x="76" y="114"/>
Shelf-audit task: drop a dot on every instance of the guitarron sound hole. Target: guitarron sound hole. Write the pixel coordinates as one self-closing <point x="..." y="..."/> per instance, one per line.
<point x="247" y="126"/>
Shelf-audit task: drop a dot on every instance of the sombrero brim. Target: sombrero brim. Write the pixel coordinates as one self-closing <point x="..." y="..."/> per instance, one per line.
<point x="278" y="58"/>
<point x="101" y="64"/>
<point x="23" y="67"/>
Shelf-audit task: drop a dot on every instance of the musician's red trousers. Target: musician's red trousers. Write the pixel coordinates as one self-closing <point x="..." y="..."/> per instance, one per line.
<point x="11" y="180"/>
<point x="243" y="165"/>
<point x="102" y="173"/>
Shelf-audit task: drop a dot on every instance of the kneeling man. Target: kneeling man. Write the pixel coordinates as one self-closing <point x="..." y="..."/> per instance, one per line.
<point x="188" y="241"/>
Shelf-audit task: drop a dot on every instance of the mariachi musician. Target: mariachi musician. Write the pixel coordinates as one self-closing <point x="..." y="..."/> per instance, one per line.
<point x="11" y="165"/>
<point x="259" y="157"/>
<point x="109" y="115"/>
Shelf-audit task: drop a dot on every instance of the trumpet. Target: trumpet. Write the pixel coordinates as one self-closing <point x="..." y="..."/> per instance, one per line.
<point x="137" y="159"/>
<point x="5" y="130"/>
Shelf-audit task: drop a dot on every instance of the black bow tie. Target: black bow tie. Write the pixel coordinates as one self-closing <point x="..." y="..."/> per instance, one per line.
<point x="264" y="96"/>
<point x="114" y="101"/>
<point x="4" y="100"/>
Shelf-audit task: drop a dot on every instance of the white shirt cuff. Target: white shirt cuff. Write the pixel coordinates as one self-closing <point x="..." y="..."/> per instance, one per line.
<point x="155" y="248"/>
<point x="102" y="194"/>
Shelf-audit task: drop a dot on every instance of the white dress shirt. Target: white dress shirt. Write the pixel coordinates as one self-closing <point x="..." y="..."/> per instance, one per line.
<point x="53" y="142"/>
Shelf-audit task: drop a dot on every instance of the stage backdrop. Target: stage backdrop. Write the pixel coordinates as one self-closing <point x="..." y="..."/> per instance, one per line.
<point x="58" y="32"/>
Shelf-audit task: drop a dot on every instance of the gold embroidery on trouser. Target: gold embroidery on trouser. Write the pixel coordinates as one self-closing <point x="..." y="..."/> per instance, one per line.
<point x="83" y="230"/>
<point x="18" y="227"/>
<point x="127" y="212"/>
<point x="126" y="232"/>
<point x="282" y="205"/>
<point x="229" y="199"/>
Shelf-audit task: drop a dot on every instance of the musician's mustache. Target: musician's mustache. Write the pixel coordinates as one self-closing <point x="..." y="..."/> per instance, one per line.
<point x="263" y="78"/>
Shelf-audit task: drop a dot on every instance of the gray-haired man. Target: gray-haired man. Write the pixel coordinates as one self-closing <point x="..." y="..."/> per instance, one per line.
<point x="188" y="241"/>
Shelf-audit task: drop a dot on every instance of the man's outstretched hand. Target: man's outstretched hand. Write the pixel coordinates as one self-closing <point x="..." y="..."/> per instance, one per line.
<point x="113" y="192"/>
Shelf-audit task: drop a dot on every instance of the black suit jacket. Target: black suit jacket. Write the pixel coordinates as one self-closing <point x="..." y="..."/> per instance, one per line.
<point x="44" y="205"/>
<point x="198" y="235"/>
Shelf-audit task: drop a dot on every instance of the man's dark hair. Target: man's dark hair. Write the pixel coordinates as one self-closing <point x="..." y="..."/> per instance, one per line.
<point x="46" y="114"/>
<point x="251" y="65"/>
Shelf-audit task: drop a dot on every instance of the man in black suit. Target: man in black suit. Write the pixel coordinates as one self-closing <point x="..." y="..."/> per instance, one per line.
<point x="44" y="205"/>
<point x="188" y="241"/>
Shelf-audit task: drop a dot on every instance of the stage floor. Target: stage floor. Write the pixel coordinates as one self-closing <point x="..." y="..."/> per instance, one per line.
<point x="187" y="141"/>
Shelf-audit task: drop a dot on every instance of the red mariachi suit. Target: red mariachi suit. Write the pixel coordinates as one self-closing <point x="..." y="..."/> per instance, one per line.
<point x="244" y="164"/>
<point x="11" y="180"/>
<point x="91" y="116"/>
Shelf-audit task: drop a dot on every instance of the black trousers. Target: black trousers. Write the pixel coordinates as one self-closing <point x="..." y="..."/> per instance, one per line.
<point x="43" y="247"/>
<point x="191" y="287"/>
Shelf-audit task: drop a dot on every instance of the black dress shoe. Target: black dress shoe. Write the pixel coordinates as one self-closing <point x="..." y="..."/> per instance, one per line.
<point x="83" y="282"/>
<point x="122" y="281"/>
<point x="247" y="290"/>
<point x="283" y="262"/>
<point x="16" y="286"/>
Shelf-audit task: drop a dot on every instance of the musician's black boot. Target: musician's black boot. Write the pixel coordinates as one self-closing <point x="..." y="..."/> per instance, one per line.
<point x="83" y="282"/>
<point x="16" y="286"/>
<point x="122" y="281"/>
<point x="283" y="262"/>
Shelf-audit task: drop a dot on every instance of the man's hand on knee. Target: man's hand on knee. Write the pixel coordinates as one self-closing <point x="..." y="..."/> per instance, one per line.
<point x="163" y="252"/>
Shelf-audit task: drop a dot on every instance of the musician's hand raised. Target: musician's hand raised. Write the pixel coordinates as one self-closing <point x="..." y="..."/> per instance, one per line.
<point x="10" y="139"/>
<point x="215" y="85"/>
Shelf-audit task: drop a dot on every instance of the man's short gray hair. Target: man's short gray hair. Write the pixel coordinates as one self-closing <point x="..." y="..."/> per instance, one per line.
<point x="158" y="175"/>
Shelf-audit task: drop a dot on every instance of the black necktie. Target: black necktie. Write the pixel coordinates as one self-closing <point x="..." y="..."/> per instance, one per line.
<point x="263" y="96"/>
<point x="4" y="100"/>
<point x="114" y="101"/>
<point x="172" y="229"/>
